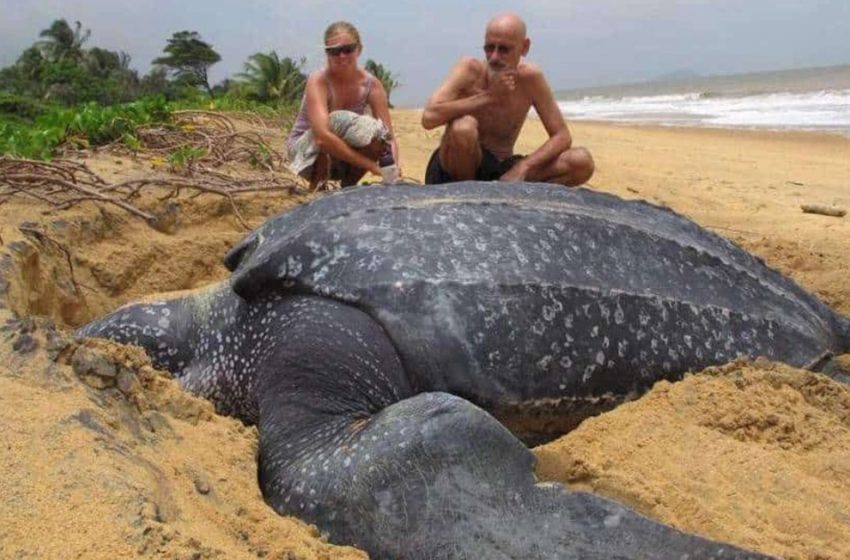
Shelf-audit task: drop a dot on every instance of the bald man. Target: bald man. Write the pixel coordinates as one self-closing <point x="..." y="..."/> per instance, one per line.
<point x="484" y="103"/>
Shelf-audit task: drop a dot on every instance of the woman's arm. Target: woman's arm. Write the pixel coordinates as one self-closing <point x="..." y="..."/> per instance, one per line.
<point x="380" y="105"/>
<point x="316" y="93"/>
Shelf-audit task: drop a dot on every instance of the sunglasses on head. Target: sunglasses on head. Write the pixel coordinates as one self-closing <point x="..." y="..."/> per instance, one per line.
<point x="341" y="49"/>
<point x="489" y="48"/>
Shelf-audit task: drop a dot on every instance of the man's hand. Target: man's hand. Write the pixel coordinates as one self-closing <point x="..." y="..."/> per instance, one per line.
<point x="516" y="173"/>
<point x="502" y="83"/>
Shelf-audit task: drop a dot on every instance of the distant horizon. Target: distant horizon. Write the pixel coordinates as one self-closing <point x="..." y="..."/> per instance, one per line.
<point x="809" y="98"/>
<point x="677" y="81"/>
<point x="672" y="81"/>
<point x="693" y="82"/>
<point x="578" y="44"/>
<point x="698" y="77"/>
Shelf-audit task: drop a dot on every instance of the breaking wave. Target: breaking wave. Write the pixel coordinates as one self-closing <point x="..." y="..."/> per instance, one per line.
<point x="818" y="110"/>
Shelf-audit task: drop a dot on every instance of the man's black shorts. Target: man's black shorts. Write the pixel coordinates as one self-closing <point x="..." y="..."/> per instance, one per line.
<point x="489" y="170"/>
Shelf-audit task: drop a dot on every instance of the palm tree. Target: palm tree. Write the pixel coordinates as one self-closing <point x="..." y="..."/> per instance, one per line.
<point x="271" y="78"/>
<point x="31" y="64"/>
<point x="64" y="42"/>
<point x="387" y="78"/>
<point x="189" y="58"/>
<point x="103" y="62"/>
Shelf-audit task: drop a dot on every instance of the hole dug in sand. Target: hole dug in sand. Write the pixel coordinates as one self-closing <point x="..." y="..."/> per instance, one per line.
<point x="92" y="259"/>
<point x="103" y="456"/>
<point x="125" y="464"/>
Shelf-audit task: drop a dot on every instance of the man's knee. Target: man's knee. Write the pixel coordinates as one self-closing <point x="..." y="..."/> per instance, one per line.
<point x="579" y="164"/>
<point x="585" y="166"/>
<point x="460" y="153"/>
<point x="463" y="131"/>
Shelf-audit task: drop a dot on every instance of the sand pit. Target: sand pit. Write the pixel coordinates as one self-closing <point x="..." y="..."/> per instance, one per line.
<point x="123" y="464"/>
<point x="104" y="457"/>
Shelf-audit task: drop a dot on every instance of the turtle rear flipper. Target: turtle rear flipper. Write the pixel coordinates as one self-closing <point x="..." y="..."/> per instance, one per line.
<point x="838" y="368"/>
<point x="346" y="445"/>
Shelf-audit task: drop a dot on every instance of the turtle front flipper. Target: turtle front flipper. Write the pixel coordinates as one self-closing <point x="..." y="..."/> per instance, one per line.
<point x="164" y="328"/>
<point x="346" y="445"/>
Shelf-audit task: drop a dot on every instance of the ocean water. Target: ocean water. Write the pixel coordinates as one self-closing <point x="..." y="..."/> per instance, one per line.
<point x="803" y="99"/>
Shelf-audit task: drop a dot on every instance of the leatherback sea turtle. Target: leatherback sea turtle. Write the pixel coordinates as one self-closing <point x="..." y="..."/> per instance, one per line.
<point x="374" y="333"/>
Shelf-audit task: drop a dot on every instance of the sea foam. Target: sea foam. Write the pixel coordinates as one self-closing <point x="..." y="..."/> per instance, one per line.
<point x="818" y="110"/>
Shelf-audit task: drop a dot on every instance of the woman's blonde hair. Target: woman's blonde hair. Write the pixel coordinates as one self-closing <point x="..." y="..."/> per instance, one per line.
<point x="342" y="27"/>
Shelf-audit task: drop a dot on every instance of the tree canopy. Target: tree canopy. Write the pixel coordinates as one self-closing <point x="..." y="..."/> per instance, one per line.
<point x="189" y="57"/>
<point x="61" y="67"/>
<point x="387" y="78"/>
<point x="61" y="41"/>
<point x="271" y="78"/>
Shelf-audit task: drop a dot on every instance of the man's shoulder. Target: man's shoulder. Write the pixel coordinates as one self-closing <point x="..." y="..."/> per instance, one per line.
<point x="530" y="71"/>
<point x="471" y="65"/>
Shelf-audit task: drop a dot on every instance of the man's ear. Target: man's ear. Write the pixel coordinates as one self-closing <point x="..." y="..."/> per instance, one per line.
<point x="526" y="44"/>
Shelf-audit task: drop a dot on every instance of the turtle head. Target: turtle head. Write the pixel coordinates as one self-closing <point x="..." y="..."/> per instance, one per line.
<point x="242" y="250"/>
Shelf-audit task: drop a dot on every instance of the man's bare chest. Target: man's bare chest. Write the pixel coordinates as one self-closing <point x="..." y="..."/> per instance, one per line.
<point x="502" y="120"/>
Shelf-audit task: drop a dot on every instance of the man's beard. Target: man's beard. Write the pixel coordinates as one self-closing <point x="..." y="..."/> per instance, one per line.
<point x="494" y="68"/>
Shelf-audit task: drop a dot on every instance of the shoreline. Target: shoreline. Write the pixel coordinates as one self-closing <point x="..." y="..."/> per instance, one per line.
<point x="839" y="132"/>
<point x="804" y="133"/>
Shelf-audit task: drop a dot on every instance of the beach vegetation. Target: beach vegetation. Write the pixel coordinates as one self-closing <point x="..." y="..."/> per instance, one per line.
<point x="61" y="42"/>
<point x="83" y="126"/>
<point x="269" y="78"/>
<point x="183" y="159"/>
<point x="383" y="74"/>
<point x="189" y="58"/>
<point x="64" y="90"/>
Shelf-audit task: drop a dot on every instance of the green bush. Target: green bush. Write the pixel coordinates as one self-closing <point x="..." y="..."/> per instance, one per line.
<point x="91" y="124"/>
<point x="25" y="141"/>
<point x="101" y="125"/>
<point x="231" y="103"/>
<point x="88" y="125"/>
<point x="20" y="106"/>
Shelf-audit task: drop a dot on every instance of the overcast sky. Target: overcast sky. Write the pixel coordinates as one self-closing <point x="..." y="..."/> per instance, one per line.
<point x="578" y="43"/>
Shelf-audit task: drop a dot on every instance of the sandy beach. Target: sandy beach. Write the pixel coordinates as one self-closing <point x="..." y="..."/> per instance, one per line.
<point x="756" y="454"/>
<point x="745" y="185"/>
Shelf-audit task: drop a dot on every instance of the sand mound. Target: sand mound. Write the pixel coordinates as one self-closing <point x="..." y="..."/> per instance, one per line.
<point x="753" y="454"/>
<point x="103" y="457"/>
<point x="125" y="463"/>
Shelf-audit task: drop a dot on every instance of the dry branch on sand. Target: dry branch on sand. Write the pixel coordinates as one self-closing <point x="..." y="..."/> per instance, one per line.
<point x="197" y="138"/>
<point x="823" y="210"/>
<point x="62" y="184"/>
<point x="204" y="138"/>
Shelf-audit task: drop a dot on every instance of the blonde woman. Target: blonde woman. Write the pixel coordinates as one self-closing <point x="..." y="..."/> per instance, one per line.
<point x="334" y="137"/>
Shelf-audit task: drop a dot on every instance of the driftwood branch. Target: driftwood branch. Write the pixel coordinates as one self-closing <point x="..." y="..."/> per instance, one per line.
<point x="823" y="210"/>
<point x="204" y="137"/>
<point x="61" y="184"/>
<point x="193" y="145"/>
<point x="90" y="193"/>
